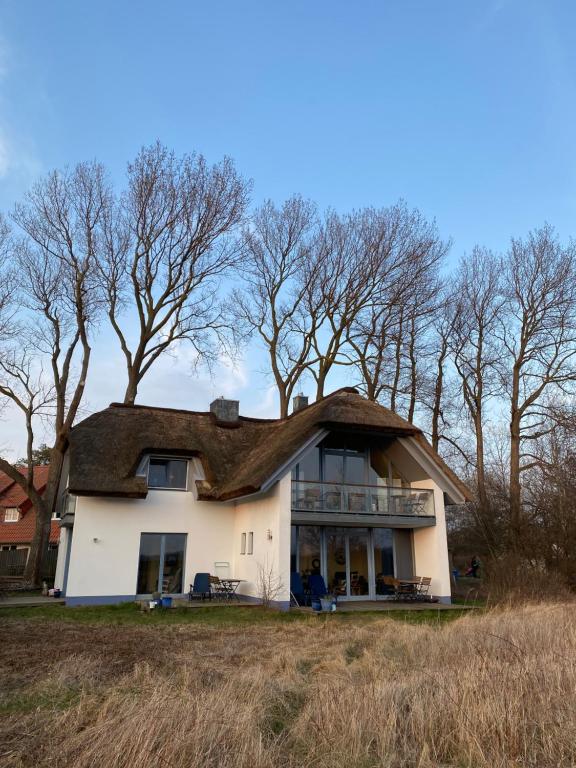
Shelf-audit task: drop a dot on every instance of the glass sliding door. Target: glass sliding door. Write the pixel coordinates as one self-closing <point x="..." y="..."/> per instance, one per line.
<point x="383" y="543"/>
<point x="161" y="563"/>
<point x="336" y="561"/>
<point x="358" y="562"/>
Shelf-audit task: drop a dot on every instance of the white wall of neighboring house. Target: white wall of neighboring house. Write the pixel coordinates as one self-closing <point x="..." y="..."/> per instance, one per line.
<point x="106" y="539"/>
<point x="267" y="516"/>
<point x="431" y="546"/>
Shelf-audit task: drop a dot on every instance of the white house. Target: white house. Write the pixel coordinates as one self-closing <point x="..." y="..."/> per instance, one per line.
<point x="341" y="487"/>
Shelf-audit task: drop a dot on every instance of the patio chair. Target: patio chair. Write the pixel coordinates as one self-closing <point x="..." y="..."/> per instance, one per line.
<point x="423" y="589"/>
<point x="317" y="585"/>
<point x="201" y="587"/>
<point x="297" y="592"/>
<point x="391" y="586"/>
<point x="218" y="589"/>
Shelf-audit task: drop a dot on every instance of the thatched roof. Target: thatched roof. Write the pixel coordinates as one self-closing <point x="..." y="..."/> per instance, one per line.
<point x="238" y="457"/>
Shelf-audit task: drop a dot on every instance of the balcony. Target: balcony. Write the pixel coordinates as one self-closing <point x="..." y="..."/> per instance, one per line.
<point x="355" y="503"/>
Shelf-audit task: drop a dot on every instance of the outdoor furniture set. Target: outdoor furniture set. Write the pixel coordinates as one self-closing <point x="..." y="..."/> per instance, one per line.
<point x="208" y="587"/>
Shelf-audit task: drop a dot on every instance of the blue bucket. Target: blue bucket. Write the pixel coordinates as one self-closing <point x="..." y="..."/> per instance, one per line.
<point x="316" y="604"/>
<point x="166" y="602"/>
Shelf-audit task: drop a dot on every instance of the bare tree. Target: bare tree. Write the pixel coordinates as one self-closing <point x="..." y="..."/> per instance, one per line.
<point x="388" y="335"/>
<point x="280" y="302"/>
<point x="7" y="282"/>
<point x="166" y="254"/>
<point x="538" y="336"/>
<point x="60" y="218"/>
<point x="475" y="347"/>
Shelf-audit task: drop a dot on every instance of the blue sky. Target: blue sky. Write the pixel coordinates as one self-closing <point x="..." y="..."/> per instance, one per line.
<point x="465" y="109"/>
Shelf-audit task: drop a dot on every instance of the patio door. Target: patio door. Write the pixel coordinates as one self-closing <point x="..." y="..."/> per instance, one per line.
<point x="347" y="562"/>
<point x="161" y="563"/>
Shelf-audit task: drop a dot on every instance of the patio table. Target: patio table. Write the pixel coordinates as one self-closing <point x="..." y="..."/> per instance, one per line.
<point x="408" y="588"/>
<point x="231" y="585"/>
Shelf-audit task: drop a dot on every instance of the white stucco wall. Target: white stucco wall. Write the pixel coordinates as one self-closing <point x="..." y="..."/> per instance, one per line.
<point x="260" y="514"/>
<point x="109" y="566"/>
<point x="431" y="546"/>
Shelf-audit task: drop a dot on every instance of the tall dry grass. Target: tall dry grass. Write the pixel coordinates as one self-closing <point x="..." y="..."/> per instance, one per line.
<point x="490" y="691"/>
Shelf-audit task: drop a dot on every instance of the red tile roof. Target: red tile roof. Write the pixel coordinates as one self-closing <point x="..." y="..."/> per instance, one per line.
<point x="12" y="495"/>
<point x="22" y="532"/>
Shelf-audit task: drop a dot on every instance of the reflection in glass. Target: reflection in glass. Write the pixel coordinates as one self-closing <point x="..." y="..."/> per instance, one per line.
<point x="149" y="566"/>
<point x="358" y="554"/>
<point x="383" y="559"/>
<point x="161" y="563"/>
<point x="336" y="560"/>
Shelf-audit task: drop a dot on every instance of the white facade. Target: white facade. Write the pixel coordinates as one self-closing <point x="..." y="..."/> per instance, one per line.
<point x="99" y="556"/>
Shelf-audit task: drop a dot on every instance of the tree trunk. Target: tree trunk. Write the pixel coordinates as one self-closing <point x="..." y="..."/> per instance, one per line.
<point x="41" y="539"/>
<point x="437" y="405"/>
<point x="131" y="389"/>
<point x="515" y="488"/>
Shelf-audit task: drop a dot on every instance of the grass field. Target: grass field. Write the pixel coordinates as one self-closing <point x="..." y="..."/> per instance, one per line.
<point x="220" y="688"/>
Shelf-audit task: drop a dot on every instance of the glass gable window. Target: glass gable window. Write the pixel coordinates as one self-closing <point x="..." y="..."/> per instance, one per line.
<point x="167" y="473"/>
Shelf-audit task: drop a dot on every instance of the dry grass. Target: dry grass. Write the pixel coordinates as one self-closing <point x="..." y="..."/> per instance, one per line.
<point x="490" y="691"/>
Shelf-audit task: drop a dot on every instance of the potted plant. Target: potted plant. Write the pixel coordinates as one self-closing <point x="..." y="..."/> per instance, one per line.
<point x="328" y="603"/>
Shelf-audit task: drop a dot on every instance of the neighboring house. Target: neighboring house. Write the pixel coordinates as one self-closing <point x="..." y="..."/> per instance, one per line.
<point x="18" y="520"/>
<point x="343" y="487"/>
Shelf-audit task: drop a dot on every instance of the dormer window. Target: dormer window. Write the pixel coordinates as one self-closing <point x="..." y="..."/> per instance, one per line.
<point x="12" y="515"/>
<point x="168" y="473"/>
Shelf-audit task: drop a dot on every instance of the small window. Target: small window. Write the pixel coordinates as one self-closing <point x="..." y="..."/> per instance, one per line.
<point x="243" y="544"/>
<point x="12" y="515"/>
<point x="250" y="550"/>
<point x="167" y="473"/>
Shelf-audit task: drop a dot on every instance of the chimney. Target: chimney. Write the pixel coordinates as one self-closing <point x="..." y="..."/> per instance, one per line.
<point x="225" y="410"/>
<point x="299" y="402"/>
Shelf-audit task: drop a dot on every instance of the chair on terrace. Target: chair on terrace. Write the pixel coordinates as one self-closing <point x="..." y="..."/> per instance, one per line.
<point x="317" y="585"/>
<point x="201" y="587"/>
<point x="297" y="592"/>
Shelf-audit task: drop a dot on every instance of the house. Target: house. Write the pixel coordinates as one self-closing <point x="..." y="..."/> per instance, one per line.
<point x="343" y="487"/>
<point x="18" y="521"/>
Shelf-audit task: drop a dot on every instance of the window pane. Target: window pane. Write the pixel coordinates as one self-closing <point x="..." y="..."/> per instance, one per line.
<point x="309" y="550"/>
<point x="243" y="544"/>
<point x="149" y="565"/>
<point x="177" y="473"/>
<point x="167" y="473"/>
<point x="309" y="466"/>
<point x="383" y="559"/>
<point x="293" y="535"/>
<point x="158" y="473"/>
<point x="174" y="544"/>
<point x="333" y="468"/>
<point x="250" y="543"/>
<point x="355" y="468"/>
<point x="336" y="560"/>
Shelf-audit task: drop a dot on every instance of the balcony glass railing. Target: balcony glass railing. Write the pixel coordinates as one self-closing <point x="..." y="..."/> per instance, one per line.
<point x="333" y="498"/>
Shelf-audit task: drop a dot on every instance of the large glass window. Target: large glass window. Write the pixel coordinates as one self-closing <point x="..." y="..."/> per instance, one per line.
<point x="161" y="563"/>
<point x="308" y="469"/>
<point x="309" y="549"/>
<point x="167" y="473"/>
<point x="383" y="559"/>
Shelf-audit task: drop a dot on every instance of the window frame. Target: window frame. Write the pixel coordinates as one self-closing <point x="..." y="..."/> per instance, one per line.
<point x="13" y="510"/>
<point x="243" y="543"/>
<point x="155" y="457"/>
<point x="250" y="546"/>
